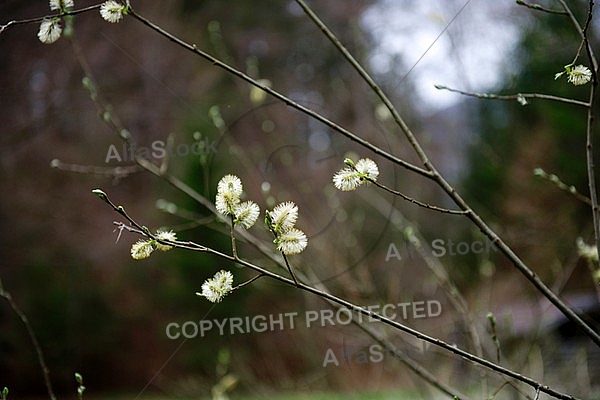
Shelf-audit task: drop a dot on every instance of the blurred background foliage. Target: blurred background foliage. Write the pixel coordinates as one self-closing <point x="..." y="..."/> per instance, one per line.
<point x="538" y="219"/>
<point x="98" y="312"/>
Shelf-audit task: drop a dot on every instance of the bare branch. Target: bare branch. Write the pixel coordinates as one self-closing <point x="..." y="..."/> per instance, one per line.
<point x="374" y="86"/>
<point x="38" y="349"/>
<point x="114" y="172"/>
<point x="194" y="49"/>
<point x="583" y="32"/>
<point x="518" y="97"/>
<point x="7" y="25"/>
<point x="434" y="174"/>
<point x="537" y="7"/>
<point x="249" y="281"/>
<point x="562" y="186"/>
<point x="417" y="202"/>
<point x="136" y="227"/>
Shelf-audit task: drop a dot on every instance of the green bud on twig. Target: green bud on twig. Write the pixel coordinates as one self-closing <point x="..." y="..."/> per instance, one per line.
<point x="80" y="387"/>
<point x="100" y="194"/>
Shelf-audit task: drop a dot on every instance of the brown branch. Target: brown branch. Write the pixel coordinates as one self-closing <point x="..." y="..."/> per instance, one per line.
<point x="582" y="33"/>
<point x="136" y="227"/>
<point x="414" y="366"/>
<point x="38" y="349"/>
<point x="435" y="175"/>
<point x="428" y="172"/>
<point x="218" y="63"/>
<point x="590" y="115"/>
<point x="249" y="281"/>
<point x="417" y="202"/>
<point x="372" y="84"/>
<point x="115" y="172"/>
<point x="589" y="133"/>
<point x="537" y="7"/>
<point x="517" y="97"/>
<point x="562" y="186"/>
<point x="40" y="19"/>
<point x="590" y="164"/>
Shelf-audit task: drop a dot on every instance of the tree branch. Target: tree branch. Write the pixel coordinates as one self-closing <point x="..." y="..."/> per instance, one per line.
<point x="537" y="7"/>
<point x="517" y="97"/>
<point x="281" y="97"/>
<point x="434" y="174"/>
<point x="40" y="19"/>
<point x="417" y="202"/>
<point x="136" y="227"/>
<point x="38" y="349"/>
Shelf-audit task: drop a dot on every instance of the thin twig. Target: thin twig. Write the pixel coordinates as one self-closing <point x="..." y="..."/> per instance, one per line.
<point x="562" y="186"/>
<point x="136" y="227"/>
<point x="374" y="332"/>
<point x="249" y="281"/>
<point x="322" y="119"/>
<point x="517" y="97"/>
<point x="588" y="46"/>
<point x="494" y="334"/>
<point x="38" y="349"/>
<point x="115" y="172"/>
<point x="435" y="175"/>
<point x="417" y="202"/>
<point x="139" y="228"/>
<point x="159" y="171"/>
<point x="281" y="97"/>
<point x="511" y="384"/>
<point x="590" y="165"/>
<point x="263" y="249"/>
<point x="121" y="211"/>
<point x="590" y="115"/>
<point x="232" y="234"/>
<point x="437" y="269"/>
<point x="50" y="16"/>
<point x="537" y="7"/>
<point x="372" y="84"/>
<point x="531" y="276"/>
<point x="103" y="107"/>
<point x="173" y="243"/>
<point x="414" y="366"/>
<point x="582" y="33"/>
<point x="498" y="390"/>
<point x="590" y="133"/>
<point x="287" y="264"/>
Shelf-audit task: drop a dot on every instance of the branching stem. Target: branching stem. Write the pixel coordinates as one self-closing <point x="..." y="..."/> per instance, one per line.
<point x="135" y="227"/>
<point x="435" y="175"/>
<point x="517" y="97"/>
<point x="537" y="7"/>
<point x="281" y="97"/>
<point x="417" y="202"/>
<point x="38" y="349"/>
